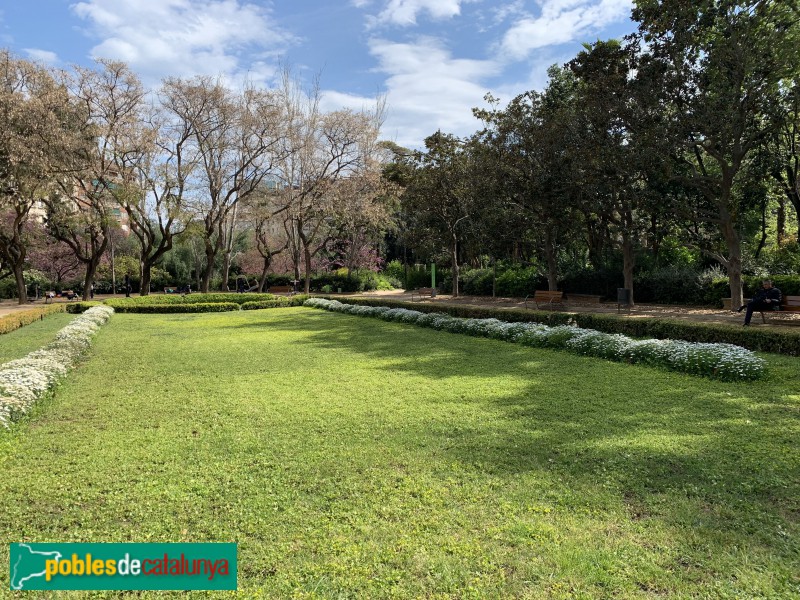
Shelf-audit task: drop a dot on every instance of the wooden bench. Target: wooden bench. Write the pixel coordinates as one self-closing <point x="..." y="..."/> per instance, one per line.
<point x="583" y="298"/>
<point x="170" y="290"/>
<point x="788" y="304"/>
<point x="69" y="294"/>
<point x="281" y="289"/>
<point x="546" y="299"/>
<point x="422" y="293"/>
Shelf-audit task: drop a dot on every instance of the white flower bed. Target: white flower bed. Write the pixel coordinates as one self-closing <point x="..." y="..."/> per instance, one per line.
<point x="723" y="361"/>
<point x="26" y="380"/>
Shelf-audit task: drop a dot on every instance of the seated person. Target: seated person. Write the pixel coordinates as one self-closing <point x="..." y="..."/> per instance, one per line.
<point x="767" y="298"/>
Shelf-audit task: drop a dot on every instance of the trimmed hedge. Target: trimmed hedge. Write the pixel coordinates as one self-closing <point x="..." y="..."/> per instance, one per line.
<point x="278" y="302"/>
<point x="722" y="361"/>
<point x="21" y="318"/>
<point x="751" y="338"/>
<point x="77" y="308"/>
<point x="213" y="298"/>
<point x="202" y="303"/>
<point x="165" y="308"/>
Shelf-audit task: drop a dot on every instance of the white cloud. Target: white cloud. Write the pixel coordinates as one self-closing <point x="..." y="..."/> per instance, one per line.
<point x="158" y="38"/>
<point x="404" y="12"/>
<point x="427" y="89"/>
<point x="562" y="21"/>
<point x="42" y="56"/>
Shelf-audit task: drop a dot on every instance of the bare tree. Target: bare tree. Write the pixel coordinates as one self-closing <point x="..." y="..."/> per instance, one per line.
<point x="235" y="137"/>
<point x="164" y="166"/>
<point x="38" y="127"/>
<point x="85" y="208"/>
<point x="321" y="150"/>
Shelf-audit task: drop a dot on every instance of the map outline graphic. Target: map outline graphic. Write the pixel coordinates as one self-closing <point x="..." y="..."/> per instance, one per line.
<point x="13" y="575"/>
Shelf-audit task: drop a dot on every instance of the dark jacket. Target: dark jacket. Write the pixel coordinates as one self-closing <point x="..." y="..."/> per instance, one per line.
<point x="772" y="293"/>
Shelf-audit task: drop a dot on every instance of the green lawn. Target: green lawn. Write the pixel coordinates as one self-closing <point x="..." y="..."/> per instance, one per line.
<point x="19" y="342"/>
<point x="351" y="457"/>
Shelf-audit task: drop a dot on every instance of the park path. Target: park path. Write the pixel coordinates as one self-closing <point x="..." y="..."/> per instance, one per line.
<point x="784" y="321"/>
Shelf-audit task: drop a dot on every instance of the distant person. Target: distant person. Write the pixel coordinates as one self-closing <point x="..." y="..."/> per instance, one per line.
<point x="91" y="291"/>
<point x="127" y="286"/>
<point x="767" y="298"/>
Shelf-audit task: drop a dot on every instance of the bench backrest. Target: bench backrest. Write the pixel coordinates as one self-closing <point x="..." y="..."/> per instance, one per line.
<point x="280" y="289"/>
<point x="547" y="295"/>
<point x="791" y="303"/>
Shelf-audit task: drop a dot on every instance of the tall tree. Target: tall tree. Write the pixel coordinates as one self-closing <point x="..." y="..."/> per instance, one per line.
<point x="441" y="195"/>
<point x="322" y="150"/>
<point x="161" y="165"/>
<point x="784" y="147"/>
<point x="722" y="63"/>
<point x="83" y="211"/>
<point x="39" y="130"/>
<point x="535" y="172"/>
<point x="616" y="161"/>
<point x="236" y="139"/>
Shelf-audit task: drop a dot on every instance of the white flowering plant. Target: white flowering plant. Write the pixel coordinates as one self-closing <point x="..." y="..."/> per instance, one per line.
<point x="26" y="380"/>
<point x="722" y="361"/>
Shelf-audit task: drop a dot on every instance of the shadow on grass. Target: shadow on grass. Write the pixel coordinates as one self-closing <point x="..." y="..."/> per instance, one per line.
<point x="717" y="457"/>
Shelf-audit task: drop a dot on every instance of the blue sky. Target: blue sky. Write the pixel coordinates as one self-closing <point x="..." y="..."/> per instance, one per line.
<point x="432" y="59"/>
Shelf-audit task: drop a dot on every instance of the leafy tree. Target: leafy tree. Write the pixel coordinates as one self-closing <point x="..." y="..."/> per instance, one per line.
<point x="440" y="194"/>
<point x="723" y="62"/>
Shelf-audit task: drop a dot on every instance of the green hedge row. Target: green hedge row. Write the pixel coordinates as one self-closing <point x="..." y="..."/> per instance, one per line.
<point x="212" y="298"/>
<point x="278" y="302"/>
<point x="752" y="338"/>
<point x="207" y="307"/>
<point x="77" y="308"/>
<point x="213" y="303"/>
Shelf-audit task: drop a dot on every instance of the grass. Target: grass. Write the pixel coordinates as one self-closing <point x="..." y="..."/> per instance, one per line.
<point x="19" y="342"/>
<point x="359" y="458"/>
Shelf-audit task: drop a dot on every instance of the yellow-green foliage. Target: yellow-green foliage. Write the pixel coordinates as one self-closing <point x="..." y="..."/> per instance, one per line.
<point x="21" y="318"/>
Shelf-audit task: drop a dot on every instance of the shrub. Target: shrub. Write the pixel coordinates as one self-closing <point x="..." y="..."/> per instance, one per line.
<point x="27" y="380"/>
<point x="780" y="342"/>
<point x="278" y="302"/>
<point x="210" y="298"/>
<point x="168" y="308"/>
<point x="77" y="308"/>
<point x="722" y="361"/>
<point x="20" y="318"/>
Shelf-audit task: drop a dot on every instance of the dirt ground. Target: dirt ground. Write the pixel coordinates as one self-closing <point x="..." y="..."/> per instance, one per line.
<point x="778" y="321"/>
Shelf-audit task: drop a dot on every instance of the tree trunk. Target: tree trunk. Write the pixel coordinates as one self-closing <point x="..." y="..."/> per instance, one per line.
<point x="455" y="266"/>
<point x="263" y="280"/>
<point x="307" y="257"/>
<point x="144" y="288"/>
<point x="781" y="224"/>
<point x="91" y="269"/>
<point x="628" y="263"/>
<point x="19" y="277"/>
<point x="552" y="263"/>
<point x="208" y="269"/>
<point x="228" y="249"/>
<point x="734" y="263"/>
